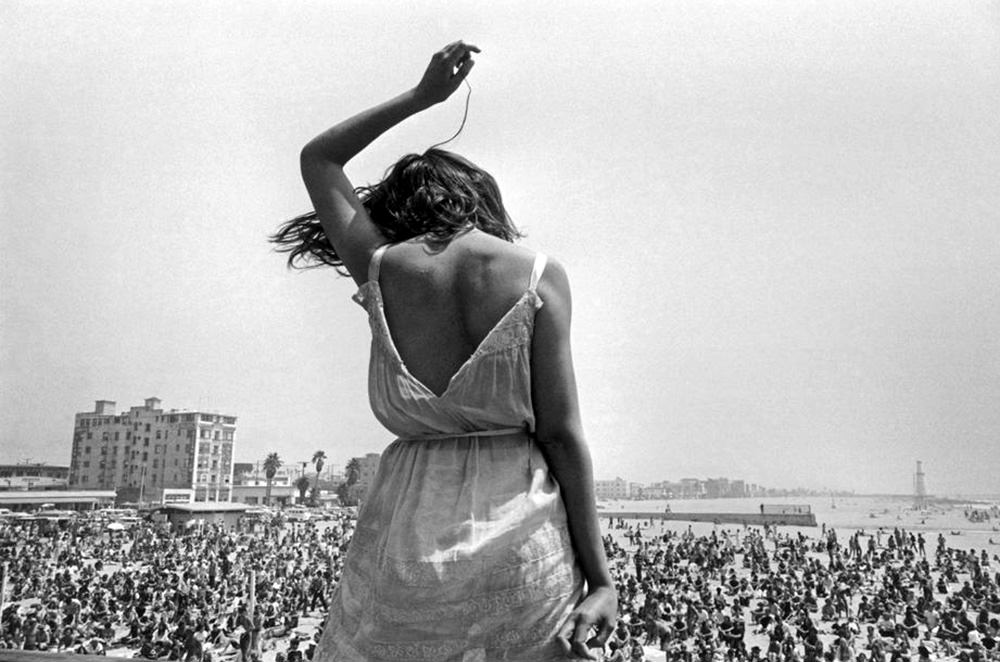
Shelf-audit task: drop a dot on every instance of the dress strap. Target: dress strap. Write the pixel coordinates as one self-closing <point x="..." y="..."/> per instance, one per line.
<point x="375" y="264"/>
<point x="536" y="271"/>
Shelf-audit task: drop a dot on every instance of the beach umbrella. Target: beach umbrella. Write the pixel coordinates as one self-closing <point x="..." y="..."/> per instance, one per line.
<point x="116" y="526"/>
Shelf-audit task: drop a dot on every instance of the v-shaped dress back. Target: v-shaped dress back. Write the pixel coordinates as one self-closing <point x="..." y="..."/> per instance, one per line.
<point x="490" y="391"/>
<point x="461" y="550"/>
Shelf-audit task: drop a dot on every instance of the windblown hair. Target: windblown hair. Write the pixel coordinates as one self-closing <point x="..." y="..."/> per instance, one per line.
<point x="438" y="193"/>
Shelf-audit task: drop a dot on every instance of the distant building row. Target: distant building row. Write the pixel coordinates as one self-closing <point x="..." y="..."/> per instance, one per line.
<point x="685" y="488"/>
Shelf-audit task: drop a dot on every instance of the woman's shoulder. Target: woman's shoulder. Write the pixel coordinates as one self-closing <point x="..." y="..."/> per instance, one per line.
<point x="470" y="256"/>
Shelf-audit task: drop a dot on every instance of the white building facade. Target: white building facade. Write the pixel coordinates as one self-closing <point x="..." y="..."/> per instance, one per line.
<point x="141" y="452"/>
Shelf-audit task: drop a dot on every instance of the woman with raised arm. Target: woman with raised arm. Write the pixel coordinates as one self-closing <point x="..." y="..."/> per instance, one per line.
<point x="479" y="539"/>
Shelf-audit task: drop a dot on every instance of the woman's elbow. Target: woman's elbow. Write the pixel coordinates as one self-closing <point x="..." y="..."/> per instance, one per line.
<point x="562" y="436"/>
<point x="309" y="154"/>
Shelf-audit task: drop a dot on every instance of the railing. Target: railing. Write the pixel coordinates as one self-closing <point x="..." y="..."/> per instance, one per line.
<point x="7" y="655"/>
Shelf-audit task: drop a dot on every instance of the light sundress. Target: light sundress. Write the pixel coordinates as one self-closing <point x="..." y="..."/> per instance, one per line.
<point x="461" y="550"/>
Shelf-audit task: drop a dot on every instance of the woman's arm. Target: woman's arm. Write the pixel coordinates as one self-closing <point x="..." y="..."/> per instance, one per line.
<point x="344" y="219"/>
<point x="560" y="437"/>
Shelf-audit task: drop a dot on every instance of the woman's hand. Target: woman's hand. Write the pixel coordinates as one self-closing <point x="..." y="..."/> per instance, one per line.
<point x="448" y="68"/>
<point x="599" y="610"/>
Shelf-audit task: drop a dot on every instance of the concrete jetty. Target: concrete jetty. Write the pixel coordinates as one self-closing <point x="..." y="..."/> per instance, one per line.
<point x="748" y="519"/>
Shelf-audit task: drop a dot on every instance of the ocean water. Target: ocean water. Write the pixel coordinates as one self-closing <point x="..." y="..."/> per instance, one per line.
<point x="845" y="514"/>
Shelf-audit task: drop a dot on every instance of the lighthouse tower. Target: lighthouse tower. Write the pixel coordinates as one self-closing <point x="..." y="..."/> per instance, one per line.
<point x="919" y="487"/>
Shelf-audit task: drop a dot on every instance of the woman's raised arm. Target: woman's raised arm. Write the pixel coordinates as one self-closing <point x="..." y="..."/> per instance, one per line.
<point x="344" y="219"/>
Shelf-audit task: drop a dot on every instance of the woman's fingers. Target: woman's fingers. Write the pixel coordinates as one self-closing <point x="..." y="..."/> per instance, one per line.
<point x="579" y="643"/>
<point x="464" y="68"/>
<point x="458" y="50"/>
<point x="563" y="636"/>
<point x="601" y="638"/>
<point x="572" y="637"/>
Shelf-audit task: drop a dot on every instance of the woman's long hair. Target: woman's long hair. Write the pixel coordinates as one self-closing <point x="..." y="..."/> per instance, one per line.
<point x="438" y="193"/>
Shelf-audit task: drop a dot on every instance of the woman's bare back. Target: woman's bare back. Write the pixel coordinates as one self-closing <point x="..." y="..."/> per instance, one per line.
<point x="442" y="300"/>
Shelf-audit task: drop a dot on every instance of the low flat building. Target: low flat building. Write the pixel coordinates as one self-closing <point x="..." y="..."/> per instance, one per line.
<point x="183" y="516"/>
<point x="21" y="500"/>
<point x="34" y="476"/>
<point x="254" y="495"/>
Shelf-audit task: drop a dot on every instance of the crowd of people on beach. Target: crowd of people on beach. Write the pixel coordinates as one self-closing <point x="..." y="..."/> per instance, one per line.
<point x="162" y="594"/>
<point x="746" y="594"/>
<point x="752" y="594"/>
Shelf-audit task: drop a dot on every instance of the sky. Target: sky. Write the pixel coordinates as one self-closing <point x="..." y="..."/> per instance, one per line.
<point x="780" y="221"/>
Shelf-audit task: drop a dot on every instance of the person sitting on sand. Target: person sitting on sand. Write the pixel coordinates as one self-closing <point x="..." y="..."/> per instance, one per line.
<point x="910" y="623"/>
<point x="843" y="647"/>
<point x="812" y="646"/>
<point x="637" y="654"/>
<point x="947" y="630"/>
<point x="886" y="625"/>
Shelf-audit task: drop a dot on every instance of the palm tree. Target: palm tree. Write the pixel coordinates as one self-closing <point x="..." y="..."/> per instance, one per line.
<point x="319" y="457"/>
<point x="353" y="471"/>
<point x="344" y="491"/>
<point x="302" y="485"/>
<point x="271" y="466"/>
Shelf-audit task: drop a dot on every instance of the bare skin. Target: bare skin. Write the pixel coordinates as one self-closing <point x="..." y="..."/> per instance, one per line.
<point x="441" y="301"/>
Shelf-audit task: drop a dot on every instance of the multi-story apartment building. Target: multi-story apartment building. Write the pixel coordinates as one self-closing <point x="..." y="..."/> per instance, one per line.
<point x="618" y="488"/>
<point x="141" y="452"/>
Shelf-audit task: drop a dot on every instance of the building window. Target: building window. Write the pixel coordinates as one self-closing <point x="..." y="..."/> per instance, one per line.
<point x="178" y="449"/>
<point x="86" y="464"/>
<point x="190" y="434"/>
<point x="188" y="417"/>
<point x="156" y="464"/>
<point x="90" y="435"/>
<point x="117" y="436"/>
<point x="86" y="450"/>
<point x="158" y="434"/>
<point x="205" y="433"/>
<point x="145" y="442"/>
<point x="147" y="427"/>
<point x="175" y="462"/>
<point x="83" y="479"/>
<point x="145" y="457"/>
<point x="207" y="418"/>
<point x="229" y="420"/>
<point x="128" y="435"/>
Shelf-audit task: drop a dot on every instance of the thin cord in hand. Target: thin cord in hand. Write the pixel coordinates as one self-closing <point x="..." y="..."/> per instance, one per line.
<point x="465" y="115"/>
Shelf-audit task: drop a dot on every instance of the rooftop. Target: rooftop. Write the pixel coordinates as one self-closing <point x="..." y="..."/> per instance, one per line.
<point x="206" y="507"/>
<point x="55" y="496"/>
